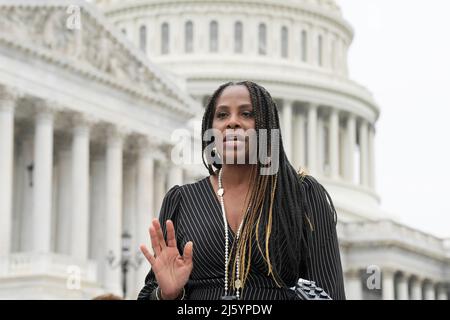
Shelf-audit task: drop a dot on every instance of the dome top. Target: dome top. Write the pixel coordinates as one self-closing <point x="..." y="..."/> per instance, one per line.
<point x="328" y="5"/>
<point x="325" y="4"/>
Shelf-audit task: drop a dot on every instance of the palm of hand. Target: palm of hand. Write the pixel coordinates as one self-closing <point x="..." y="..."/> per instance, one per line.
<point x="171" y="270"/>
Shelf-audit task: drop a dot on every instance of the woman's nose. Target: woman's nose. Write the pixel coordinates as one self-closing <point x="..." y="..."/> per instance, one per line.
<point x="234" y="122"/>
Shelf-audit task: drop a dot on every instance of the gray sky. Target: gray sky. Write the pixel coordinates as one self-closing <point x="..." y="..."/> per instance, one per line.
<point x="401" y="53"/>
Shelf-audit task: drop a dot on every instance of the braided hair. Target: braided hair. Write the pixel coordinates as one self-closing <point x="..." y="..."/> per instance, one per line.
<point x="277" y="201"/>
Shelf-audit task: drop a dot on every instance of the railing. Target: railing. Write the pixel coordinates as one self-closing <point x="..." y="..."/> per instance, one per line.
<point x="390" y="231"/>
<point x="48" y="264"/>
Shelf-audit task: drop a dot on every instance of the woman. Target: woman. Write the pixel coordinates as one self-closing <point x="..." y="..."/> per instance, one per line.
<point x="241" y="233"/>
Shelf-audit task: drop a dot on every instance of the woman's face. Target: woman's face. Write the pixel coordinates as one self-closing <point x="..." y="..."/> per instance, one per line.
<point x="233" y="117"/>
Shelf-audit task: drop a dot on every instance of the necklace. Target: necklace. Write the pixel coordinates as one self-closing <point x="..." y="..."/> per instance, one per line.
<point x="237" y="283"/>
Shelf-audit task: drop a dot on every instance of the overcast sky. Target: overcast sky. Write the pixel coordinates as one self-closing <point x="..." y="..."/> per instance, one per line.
<point x="401" y="53"/>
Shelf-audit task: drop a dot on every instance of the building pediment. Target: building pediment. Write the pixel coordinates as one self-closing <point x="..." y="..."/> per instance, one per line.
<point x="76" y="36"/>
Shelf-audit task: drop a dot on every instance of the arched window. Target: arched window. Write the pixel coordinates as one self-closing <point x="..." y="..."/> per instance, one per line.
<point x="304" y="42"/>
<point x="284" y="42"/>
<point x="165" y="38"/>
<point x="238" y="37"/>
<point x="262" y="39"/>
<point x="188" y="37"/>
<point x="213" y="36"/>
<point x="319" y="50"/>
<point x="143" y="38"/>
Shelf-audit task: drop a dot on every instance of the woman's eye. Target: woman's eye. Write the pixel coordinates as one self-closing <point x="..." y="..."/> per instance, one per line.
<point x="221" y="115"/>
<point x="248" y="114"/>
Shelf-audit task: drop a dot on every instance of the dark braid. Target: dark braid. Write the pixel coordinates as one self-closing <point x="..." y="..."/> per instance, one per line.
<point x="277" y="201"/>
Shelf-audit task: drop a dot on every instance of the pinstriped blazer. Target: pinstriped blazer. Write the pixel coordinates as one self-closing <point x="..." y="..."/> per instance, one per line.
<point x="197" y="216"/>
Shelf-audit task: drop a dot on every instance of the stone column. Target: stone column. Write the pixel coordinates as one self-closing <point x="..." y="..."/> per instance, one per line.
<point x="42" y="180"/>
<point x="372" y="157"/>
<point x="113" y="208"/>
<point x="175" y="176"/>
<point x="80" y="190"/>
<point x="145" y="203"/>
<point x="442" y="292"/>
<point x="402" y="288"/>
<point x="7" y="105"/>
<point x="416" y="290"/>
<point x="299" y="140"/>
<point x="334" y="143"/>
<point x="364" y="153"/>
<point x="287" y="124"/>
<point x="320" y="148"/>
<point x="353" y="286"/>
<point x="350" y="150"/>
<point x="387" y="285"/>
<point x="312" y="45"/>
<point x="312" y="139"/>
<point x="429" y="293"/>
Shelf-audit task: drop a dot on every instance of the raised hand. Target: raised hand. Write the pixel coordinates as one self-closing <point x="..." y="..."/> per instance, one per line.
<point x="171" y="270"/>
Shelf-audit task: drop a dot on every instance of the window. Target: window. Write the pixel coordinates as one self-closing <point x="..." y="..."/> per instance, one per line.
<point x="304" y="42"/>
<point x="284" y="42"/>
<point x="213" y="36"/>
<point x="143" y="38"/>
<point x="238" y="37"/>
<point x="165" y="38"/>
<point x="262" y="37"/>
<point x="319" y="50"/>
<point x="188" y="37"/>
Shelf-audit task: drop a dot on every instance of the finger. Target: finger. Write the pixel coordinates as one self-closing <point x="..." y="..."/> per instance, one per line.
<point x="155" y="240"/>
<point x="148" y="255"/>
<point x="159" y="234"/>
<point x="171" y="240"/>
<point x="188" y="252"/>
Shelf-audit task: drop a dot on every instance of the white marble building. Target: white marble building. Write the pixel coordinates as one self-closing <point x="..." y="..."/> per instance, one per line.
<point x="86" y="117"/>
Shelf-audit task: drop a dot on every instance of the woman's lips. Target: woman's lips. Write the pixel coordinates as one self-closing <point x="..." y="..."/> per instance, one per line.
<point x="233" y="143"/>
<point x="228" y="138"/>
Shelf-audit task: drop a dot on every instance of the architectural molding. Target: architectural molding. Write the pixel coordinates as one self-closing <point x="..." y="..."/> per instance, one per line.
<point x="95" y="51"/>
<point x="8" y="96"/>
<point x="290" y="9"/>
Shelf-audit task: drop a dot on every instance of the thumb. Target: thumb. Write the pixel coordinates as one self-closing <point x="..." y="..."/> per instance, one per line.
<point x="187" y="252"/>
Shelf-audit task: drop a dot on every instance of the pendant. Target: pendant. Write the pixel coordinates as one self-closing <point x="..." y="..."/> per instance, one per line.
<point x="237" y="284"/>
<point x="220" y="192"/>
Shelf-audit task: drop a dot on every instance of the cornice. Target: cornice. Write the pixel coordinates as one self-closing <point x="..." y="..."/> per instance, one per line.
<point x="97" y="51"/>
<point x="269" y="7"/>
